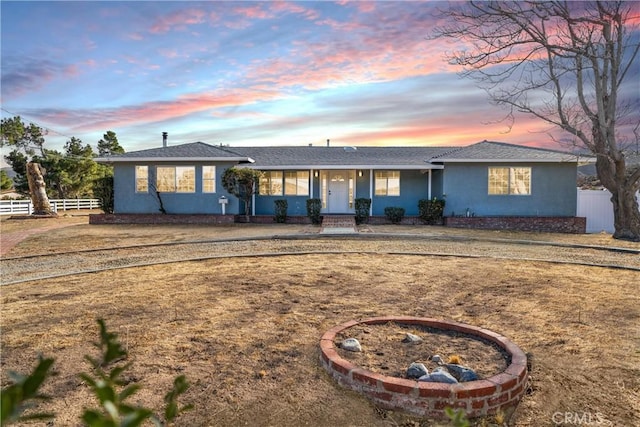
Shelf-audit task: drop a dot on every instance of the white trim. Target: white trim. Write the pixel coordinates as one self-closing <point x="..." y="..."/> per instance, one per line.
<point x="171" y="159"/>
<point x="371" y="191"/>
<point x="347" y="167"/>
<point x="517" y="160"/>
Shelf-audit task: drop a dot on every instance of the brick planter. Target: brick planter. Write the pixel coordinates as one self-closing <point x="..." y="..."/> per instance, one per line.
<point x="479" y="398"/>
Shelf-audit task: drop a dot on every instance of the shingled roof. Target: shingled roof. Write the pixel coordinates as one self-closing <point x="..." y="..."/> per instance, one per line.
<point x="309" y="157"/>
<point x="487" y="151"/>
<point x="338" y="157"/>
<point x="196" y="151"/>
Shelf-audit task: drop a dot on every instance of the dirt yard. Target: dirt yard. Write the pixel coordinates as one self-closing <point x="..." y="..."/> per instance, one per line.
<point x="245" y="330"/>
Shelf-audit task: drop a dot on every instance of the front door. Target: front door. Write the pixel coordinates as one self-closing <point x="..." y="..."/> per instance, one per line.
<point x="339" y="191"/>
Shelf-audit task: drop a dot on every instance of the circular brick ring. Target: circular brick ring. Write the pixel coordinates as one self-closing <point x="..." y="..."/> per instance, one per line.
<point x="478" y="398"/>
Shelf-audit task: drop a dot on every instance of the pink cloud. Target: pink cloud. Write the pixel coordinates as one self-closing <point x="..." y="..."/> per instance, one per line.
<point x="178" y="20"/>
<point x="156" y="111"/>
<point x="361" y="6"/>
<point x="253" y="12"/>
<point x="287" y="7"/>
<point x="469" y="128"/>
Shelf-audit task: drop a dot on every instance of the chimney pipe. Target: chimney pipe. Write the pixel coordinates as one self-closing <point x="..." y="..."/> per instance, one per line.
<point x="327" y="142"/>
<point x="164" y="139"/>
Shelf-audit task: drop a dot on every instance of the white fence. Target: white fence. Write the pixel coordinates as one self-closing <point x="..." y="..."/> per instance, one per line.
<point x="596" y="206"/>
<point x="10" y="207"/>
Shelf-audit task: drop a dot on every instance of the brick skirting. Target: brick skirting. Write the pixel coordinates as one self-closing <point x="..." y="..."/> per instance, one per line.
<point x="159" y="219"/>
<point x="574" y="225"/>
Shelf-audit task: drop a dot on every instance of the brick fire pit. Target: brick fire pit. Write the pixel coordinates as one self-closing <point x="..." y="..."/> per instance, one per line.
<point x="478" y="398"/>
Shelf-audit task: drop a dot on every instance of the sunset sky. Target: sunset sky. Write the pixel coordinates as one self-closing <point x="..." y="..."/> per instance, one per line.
<point x="242" y="73"/>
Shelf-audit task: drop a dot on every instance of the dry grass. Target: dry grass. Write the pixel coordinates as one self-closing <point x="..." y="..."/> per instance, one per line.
<point x="245" y="331"/>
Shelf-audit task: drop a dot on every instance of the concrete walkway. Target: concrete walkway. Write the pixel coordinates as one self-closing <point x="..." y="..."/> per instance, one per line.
<point x="9" y="240"/>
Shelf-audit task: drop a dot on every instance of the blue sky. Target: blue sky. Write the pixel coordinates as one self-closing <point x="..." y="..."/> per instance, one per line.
<point x="242" y="73"/>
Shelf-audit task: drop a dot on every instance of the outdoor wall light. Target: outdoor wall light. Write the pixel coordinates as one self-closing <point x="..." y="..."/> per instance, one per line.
<point x="315" y="173"/>
<point x="360" y="172"/>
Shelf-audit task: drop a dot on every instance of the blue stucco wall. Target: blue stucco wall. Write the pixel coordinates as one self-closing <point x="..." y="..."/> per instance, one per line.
<point x="437" y="183"/>
<point x="413" y="187"/>
<point x="296" y="205"/>
<point x="553" y="191"/>
<point x="128" y="201"/>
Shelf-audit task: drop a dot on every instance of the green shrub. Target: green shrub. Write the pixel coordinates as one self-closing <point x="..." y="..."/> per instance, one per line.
<point x="313" y="210"/>
<point x="281" y="206"/>
<point x="362" y="210"/>
<point x="431" y="211"/>
<point x="394" y="214"/>
<point x="103" y="191"/>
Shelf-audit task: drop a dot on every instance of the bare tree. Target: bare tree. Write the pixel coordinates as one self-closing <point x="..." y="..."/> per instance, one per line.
<point x="571" y="64"/>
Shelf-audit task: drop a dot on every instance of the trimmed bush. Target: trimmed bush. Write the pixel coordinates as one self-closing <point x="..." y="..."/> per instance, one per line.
<point x="313" y="210"/>
<point x="394" y="214"/>
<point x="281" y="206"/>
<point x="362" y="210"/>
<point x="431" y="211"/>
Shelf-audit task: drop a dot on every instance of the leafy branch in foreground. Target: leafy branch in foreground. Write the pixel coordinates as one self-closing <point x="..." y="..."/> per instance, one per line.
<point x="25" y="388"/>
<point x="107" y="385"/>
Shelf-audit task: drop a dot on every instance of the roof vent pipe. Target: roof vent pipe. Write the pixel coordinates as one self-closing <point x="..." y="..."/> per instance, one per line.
<point x="327" y="142"/>
<point x="164" y="139"/>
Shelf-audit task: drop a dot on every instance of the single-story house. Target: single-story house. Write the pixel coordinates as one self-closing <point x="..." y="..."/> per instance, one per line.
<point x="486" y="179"/>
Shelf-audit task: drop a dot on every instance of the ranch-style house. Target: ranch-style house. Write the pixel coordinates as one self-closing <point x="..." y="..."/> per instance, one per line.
<point x="481" y="180"/>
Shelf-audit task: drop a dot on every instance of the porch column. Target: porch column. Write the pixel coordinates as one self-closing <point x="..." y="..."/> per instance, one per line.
<point x="312" y="180"/>
<point x="371" y="191"/>
<point x="429" y="185"/>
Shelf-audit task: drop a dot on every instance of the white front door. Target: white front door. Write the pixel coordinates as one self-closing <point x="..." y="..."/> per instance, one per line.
<point x="339" y="191"/>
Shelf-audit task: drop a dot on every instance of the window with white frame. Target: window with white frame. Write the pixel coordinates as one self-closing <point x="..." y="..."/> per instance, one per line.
<point x="176" y="179"/>
<point x="509" y="180"/>
<point x="208" y="179"/>
<point x="387" y="183"/>
<point x="142" y="179"/>
<point x="296" y="183"/>
<point x="271" y="183"/>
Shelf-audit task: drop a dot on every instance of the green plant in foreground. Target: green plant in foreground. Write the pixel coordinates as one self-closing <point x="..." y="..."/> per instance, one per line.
<point x="107" y="385"/>
<point x="457" y="417"/>
<point x="16" y="397"/>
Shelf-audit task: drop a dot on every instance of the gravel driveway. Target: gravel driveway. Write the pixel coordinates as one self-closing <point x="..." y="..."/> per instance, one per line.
<point x="38" y="267"/>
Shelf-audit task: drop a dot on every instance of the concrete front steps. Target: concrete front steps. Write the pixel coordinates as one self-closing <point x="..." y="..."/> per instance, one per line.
<point x="338" y="224"/>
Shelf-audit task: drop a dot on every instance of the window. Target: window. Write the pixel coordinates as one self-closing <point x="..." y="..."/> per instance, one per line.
<point x="208" y="179"/>
<point x="516" y="181"/>
<point x="387" y="183"/>
<point x="271" y="183"/>
<point x="296" y="183"/>
<point x="142" y="179"/>
<point x="176" y="179"/>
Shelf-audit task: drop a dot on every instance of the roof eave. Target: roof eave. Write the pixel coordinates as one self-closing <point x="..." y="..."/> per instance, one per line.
<point x="171" y="159"/>
<point x="567" y="160"/>
<point x="343" y="167"/>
